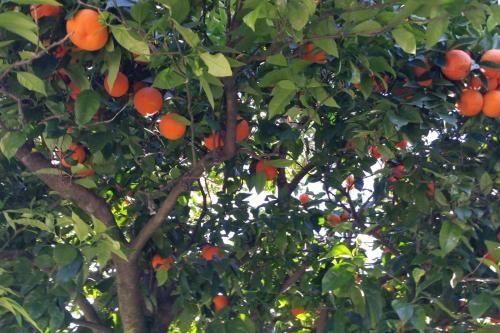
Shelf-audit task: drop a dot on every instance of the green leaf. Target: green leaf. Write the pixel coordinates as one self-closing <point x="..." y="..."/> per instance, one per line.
<point x="403" y="309"/>
<point x="260" y="181"/>
<point x="36" y="2"/>
<point x="130" y="40"/>
<point x="440" y="198"/>
<point x="486" y="183"/>
<point x="449" y="236"/>
<point x="207" y="90"/>
<point x="113" y="61"/>
<point x="19" y="24"/>
<point x="385" y="152"/>
<point x="277" y="59"/>
<point x="11" y="142"/>
<point x="16" y="309"/>
<point x="179" y="9"/>
<point x="435" y="29"/>
<point x="325" y="27"/>
<point x="217" y="64"/>
<point x="366" y="28"/>
<point x="181" y="119"/>
<point x="161" y="276"/>
<point x="188" y="35"/>
<point x="298" y="12"/>
<point x="250" y="18"/>
<point x="417" y="274"/>
<point x="340" y="251"/>
<point x="479" y="304"/>
<point x="405" y="39"/>
<point x="279" y="163"/>
<point x="31" y="82"/>
<point x="282" y="95"/>
<point x="82" y="230"/>
<point x="86" y="106"/>
<point x="64" y="254"/>
<point x="168" y="79"/>
<point x="336" y="279"/>
<point x="358" y="300"/>
<point x="78" y="75"/>
<point x="142" y="11"/>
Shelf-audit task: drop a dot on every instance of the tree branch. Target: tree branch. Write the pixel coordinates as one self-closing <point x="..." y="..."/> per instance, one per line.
<point x="11" y="254"/>
<point x="320" y="323"/>
<point x="298" y="177"/>
<point x="184" y="183"/>
<point x="93" y="326"/>
<point x="293" y="278"/>
<point x="84" y="198"/>
<point x="90" y="314"/>
<point x="482" y="280"/>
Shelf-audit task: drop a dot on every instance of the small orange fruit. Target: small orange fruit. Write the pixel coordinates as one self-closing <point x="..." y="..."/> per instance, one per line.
<point x="84" y="173"/>
<point x="311" y="55"/>
<point x="491" y="105"/>
<point x="270" y="171"/>
<point x="457" y="65"/>
<point x="398" y="170"/>
<point x="392" y="179"/>
<point x="494" y="57"/>
<point x="213" y="141"/>
<point x="75" y="90"/>
<point x="242" y="130"/>
<point x="157" y="261"/>
<point x="334" y="219"/>
<point x="208" y="252"/>
<point x="77" y="155"/>
<point x="304" y="198"/>
<point x="419" y="71"/>
<point x="297" y="311"/>
<point x="344" y="216"/>
<point x="349" y="182"/>
<point x="148" y="101"/>
<point x="39" y="11"/>
<point x="85" y="30"/>
<point x="475" y="83"/>
<point x="220" y="302"/>
<point x="120" y="86"/>
<point x="171" y="128"/>
<point x="373" y="152"/>
<point x="470" y="103"/>
<point x="401" y="144"/>
<point x="492" y="84"/>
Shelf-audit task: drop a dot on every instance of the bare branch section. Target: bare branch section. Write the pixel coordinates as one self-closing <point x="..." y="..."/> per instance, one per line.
<point x="84" y="198"/>
<point x="299" y="176"/>
<point x="93" y="326"/>
<point x="215" y="157"/>
<point x="293" y="278"/>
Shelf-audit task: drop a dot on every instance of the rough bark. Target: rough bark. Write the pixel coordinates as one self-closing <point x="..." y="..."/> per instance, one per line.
<point x="90" y="315"/>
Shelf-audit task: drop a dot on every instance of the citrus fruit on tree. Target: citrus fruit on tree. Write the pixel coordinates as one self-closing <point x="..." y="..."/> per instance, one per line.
<point x="270" y="171"/>
<point x="208" y="252"/>
<point x="120" y="86"/>
<point x="470" y="103"/>
<point x="304" y="198"/>
<point x="148" y="101"/>
<point x="457" y="65"/>
<point x="85" y="30"/>
<point x="220" y="302"/>
<point x="242" y="130"/>
<point x="39" y="11"/>
<point x="213" y="141"/>
<point x="76" y="155"/>
<point x="491" y="104"/>
<point x="492" y="56"/>
<point x="170" y="128"/>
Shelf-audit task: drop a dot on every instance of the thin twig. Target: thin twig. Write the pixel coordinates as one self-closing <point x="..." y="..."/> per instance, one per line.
<point x="191" y="127"/>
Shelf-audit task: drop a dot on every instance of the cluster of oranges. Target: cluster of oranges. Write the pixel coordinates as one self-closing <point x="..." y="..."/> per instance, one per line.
<point x="458" y="66"/>
<point x="76" y="155"/>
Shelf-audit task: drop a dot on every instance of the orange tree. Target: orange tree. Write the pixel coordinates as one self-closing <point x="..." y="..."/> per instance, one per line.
<point x="135" y="136"/>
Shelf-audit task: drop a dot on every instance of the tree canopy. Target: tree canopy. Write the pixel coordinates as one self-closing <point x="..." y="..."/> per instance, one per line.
<point x="249" y="166"/>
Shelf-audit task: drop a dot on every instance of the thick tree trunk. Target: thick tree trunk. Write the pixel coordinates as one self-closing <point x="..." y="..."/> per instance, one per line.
<point x="129" y="297"/>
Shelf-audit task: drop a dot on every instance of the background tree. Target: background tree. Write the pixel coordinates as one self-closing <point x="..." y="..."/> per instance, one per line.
<point x="136" y="136"/>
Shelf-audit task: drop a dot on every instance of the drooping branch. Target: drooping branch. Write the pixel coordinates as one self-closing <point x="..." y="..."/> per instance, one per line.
<point x="93" y="326"/>
<point x="184" y="183"/>
<point x="299" y="176"/>
<point x="293" y="278"/>
<point x="83" y="197"/>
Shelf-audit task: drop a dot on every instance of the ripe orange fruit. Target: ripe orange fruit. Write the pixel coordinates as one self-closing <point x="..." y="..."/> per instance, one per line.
<point x="419" y="71"/>
<point x="344" y="216"/>
<point x="220" y="302"/>
<point x="470" y="103"/>
<point x="138" y="85"/>
<point x="297" y="311"/>
<point x="304" y="198"/>
<point x="75" y="90"/>
<point x="457" y="65"/>
<point x="208" y="252"/>
<point x="148" y="101"/>
<point x="401" y="144"/>
<point x="85" y="30"/>
<point x="157" y="261"/>
<point x="373" y="152"/>
<point x="270" y="171"/>
<point x="432" y="189"/>
<point x="120" y="86"/>
<point x="398" y="170"/>
<point x="475" y="83"/>
<point x="491" y="105"/>
<point x="311" y="55"/>
<point x="242" y="130"/>
<point x="492" y="84"/>
<point x="491" y="56"/>
<point x="334" y="219"/>
<point x="349" y="182"/>
<point x="39" y="11"/>
<point x="171" y="128"/>
<point x="392" y="179"/>
<point x="213" y="141"/>
<point x="77" y="155"/>
<point x="84" y="173"/>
